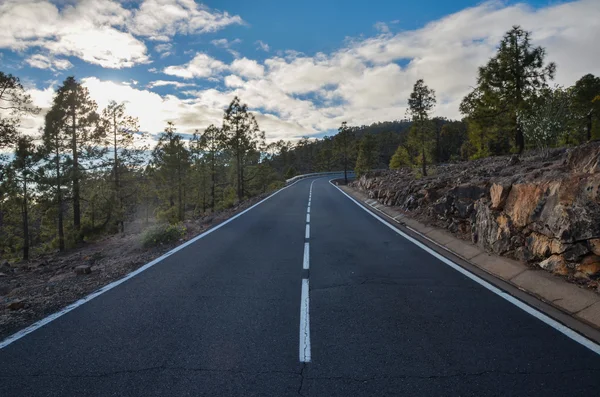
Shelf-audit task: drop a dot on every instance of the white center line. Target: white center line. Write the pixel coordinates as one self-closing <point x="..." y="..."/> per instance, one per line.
<point x="305" y="262"/>
<point x="304" y="324"/>
<point x="308" y="217"/>
<point x="307" y="234"/>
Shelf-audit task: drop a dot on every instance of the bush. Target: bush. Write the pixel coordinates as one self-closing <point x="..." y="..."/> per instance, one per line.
<point x="169" y="215"/>
<point x="162" y="234"/>
<point x="400" y="159"/>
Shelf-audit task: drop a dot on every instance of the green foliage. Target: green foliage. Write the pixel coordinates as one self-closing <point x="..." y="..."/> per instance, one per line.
<point x="422" y="132"/>
<point x="291" y="172"/>
<point x="505" y="88"/>
<point x="548" y="118"/>
<point x="368" y="155"/>
<point x="162" y="234"/>
<point x="400" y="159"/>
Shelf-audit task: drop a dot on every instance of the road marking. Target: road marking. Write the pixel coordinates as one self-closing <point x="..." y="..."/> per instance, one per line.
<point x="305" y="261"/>
<point x="46" y="320"/>
<point x="304" y="324"/>
<point x="582" y="340"/>
<point x="307" y="233"/>
<point x="308" y="209"/>
<point x="308" y="215"/>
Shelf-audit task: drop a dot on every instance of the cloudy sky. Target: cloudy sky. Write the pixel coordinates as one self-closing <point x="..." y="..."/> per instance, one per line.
<point x="303" y="67"/>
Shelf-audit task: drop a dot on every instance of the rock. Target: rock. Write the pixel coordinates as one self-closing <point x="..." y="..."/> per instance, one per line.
<point x="499" y="194"/>
<point x="3" y="274"/>
<point x="521" y="202"/>
<point x="16" y="305"/>
<point x="539" y="245"/>
<point x="590" y="265"/>
<point x="575" y="252"/>
<point x="584" y="159"/>
<point x="555" y="264"/>
<point x="594" y="245"/>
<point x="83" y="269"/>
<point x="514" y="160"/>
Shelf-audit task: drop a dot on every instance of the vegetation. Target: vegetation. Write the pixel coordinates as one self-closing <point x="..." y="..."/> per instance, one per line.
<point x="90" y="171"/>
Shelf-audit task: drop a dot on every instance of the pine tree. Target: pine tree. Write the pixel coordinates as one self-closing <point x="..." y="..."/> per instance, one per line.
<point x="344" y="146"/>
<point x="171" y="163"/>
<point x="368" y="155"/>
<point x="511" y="79"/>
<point x="400" y="159"/>
<point x="242" y="137"/>
<point x="421" y="135"/>
<point x="120" y="132"/>
<point x="75" y="113"/>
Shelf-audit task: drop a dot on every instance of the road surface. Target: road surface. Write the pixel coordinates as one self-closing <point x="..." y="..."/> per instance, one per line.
<point x="266" y="306"/>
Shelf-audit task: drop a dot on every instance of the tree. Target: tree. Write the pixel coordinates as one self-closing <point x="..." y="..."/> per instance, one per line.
<point x="548" y="119"/>
<point x="513" y="77"/>
<point x="212" y="143"/>
<point x="400" y="159"/>
<point x="368" y="155"/>
<point x="420" y="103"/>
<point x="14" y="104"/>
<point x="344" y="146"/>
<point x="119" y="131"/>
<point x="53" y="172"/>
<point x="242" y="137"/>
<point x="586" y="89"/>
<point x="171" y="162"/>
<point x="452" y="137"/>
<point x="75" y="113"/>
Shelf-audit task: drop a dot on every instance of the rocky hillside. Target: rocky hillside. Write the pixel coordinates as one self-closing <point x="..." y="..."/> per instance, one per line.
<point x="544" y="210"/>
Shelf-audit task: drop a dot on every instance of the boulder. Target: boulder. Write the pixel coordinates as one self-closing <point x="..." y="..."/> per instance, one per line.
<point x="498" y="195"/>
<point x="575" y="252"/>
<point x="17" y="304"/>
<point x="83" y="269"/>
<point x="555" y="264"/>
<point x="590" y="265"/>
<point x="594" y="245"/>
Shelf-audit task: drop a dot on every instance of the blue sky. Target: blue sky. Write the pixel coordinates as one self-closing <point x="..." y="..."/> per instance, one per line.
<point x="303" y="67"/>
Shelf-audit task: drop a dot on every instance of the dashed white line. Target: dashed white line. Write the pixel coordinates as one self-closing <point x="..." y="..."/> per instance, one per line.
<point x="308" y="217"/>
<point x="305" y="262"/>
<point x="307" y="233"/>
<point x="304" y="324"/>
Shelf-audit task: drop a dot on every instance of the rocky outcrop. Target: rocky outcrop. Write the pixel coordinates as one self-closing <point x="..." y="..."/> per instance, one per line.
<point x="542" y="210"/>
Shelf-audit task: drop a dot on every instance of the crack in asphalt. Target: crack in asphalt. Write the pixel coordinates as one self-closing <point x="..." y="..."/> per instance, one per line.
<point x="301" y="380"/>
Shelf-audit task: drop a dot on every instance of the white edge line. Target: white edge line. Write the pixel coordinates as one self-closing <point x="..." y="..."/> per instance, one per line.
<point x="38" y="324"/>
<point x="582" y="340"/>
<point x="304" y="346"/>
<point x="306" y="259"/>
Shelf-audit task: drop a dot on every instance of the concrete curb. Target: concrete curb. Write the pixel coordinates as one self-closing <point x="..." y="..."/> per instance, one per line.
<point x="581" y="304"/>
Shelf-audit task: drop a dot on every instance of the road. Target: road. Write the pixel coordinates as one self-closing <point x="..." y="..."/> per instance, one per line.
<point x="230" y="315"/>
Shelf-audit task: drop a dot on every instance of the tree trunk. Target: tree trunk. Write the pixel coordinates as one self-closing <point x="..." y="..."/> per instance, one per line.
<point x="25" y="222"/>
<point x="213" y="177"/>
<point x="61" y="230"/>
<point x="239" y="175"/>
<point x="424" y="163"/>
<point x="76" y="193"/>
<point x="520" y="139"/>
<point x="589" y="126"/>
<point x="120" y="222"/>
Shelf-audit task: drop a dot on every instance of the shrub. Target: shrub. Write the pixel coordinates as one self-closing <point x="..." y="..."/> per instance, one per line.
<point x="162" y="234"/>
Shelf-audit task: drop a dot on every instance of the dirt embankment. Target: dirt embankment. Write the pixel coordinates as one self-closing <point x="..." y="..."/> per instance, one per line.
<point x="31" y="290"/>
<point x="542" y="210"/>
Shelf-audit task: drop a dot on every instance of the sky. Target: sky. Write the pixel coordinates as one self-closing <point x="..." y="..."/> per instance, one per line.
<point x="302" y="67"/>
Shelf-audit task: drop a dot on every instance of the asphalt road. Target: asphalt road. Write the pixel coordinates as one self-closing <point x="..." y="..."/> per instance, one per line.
<point x="222" y="317"/>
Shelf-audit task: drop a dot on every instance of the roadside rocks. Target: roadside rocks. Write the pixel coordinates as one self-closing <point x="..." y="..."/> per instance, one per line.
<point x="544" y="210"/>
<point x="83" y="269"/>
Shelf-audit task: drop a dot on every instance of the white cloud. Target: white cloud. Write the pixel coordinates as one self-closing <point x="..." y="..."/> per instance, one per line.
<point x="224" y="43"/>
<point x="161" y="19"/>
<point x="163" y="83"/>
<point x="200" y="66"/>
<point x="368" y="80"/>
<point x="262" y="46"/>
<point x="164" y="47"/>
<point x="41" y="61"/>
<point x="247" y="68"/>
<point x="86" y="29"/>
<point x="382" y="27"/>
